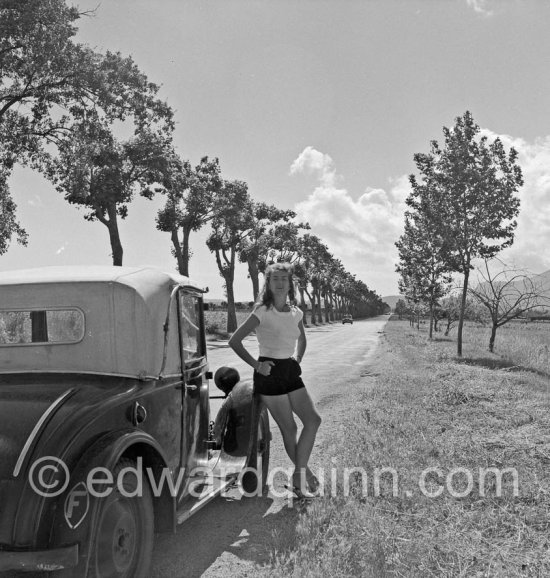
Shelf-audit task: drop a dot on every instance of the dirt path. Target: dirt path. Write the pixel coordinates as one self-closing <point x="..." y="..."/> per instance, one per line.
<point x="234" y="536"/>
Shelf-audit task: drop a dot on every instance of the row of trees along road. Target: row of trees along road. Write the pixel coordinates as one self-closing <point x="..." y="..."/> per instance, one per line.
<point x="61" y="104"/>
<point x="462" y="206"/>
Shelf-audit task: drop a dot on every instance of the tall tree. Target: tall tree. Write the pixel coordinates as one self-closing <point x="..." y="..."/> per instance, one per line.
<point x="472" y="184"/>
<point x="422" y="260"/>
<point x="401" y="308"/>
<point x="96" y="171"/>
<point x="232" y="222"/>
<point x="189" y="204"/>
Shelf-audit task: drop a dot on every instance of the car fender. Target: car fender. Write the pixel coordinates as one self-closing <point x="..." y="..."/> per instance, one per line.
<point x="240" y="440"/>
<point x="78" y="508"/>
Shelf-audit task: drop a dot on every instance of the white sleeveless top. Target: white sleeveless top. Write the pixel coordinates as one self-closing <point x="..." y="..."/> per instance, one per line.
<point x="278" y="331"/>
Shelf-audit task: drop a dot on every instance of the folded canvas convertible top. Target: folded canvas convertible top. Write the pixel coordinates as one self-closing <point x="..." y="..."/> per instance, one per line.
<point x="124" y="311"/>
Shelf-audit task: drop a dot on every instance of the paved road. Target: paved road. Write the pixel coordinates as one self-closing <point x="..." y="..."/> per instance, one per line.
<point x="230" y="536"/>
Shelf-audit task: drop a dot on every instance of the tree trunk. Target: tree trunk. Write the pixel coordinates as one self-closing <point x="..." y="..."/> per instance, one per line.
<point x="319" y="308"/>
<point x="462" y="310"/>
<point x="177" y="251"/>
<point x="332" y="302"/>
<point x="303" y="306"/>
<point x="185" y="252"/>
<point x="312" y="301"/>
<point x="227" y="270"/>
<point x="114" y="237"/>
<point x="254" y="277"/>
<point x="492" y="338"/>
<point x="431" y="315"/>
<point x="229" y="276"/>
<point x="231" y="312"/>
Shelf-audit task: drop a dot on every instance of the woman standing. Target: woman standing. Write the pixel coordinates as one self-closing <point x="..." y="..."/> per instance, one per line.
<point x="282" y="339"/>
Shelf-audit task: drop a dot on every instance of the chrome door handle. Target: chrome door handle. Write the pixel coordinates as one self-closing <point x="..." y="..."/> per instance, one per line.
<point x="191" y="387"/>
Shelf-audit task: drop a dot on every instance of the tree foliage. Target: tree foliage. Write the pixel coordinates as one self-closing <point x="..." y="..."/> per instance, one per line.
<point x="9" y="225"/>
<point x="48" y="80"/>
<point x="256" y="248"/>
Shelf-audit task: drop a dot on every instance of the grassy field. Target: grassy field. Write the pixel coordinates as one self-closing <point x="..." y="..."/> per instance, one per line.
<point x="216" y="322"/>
<point x="426" y="409"/>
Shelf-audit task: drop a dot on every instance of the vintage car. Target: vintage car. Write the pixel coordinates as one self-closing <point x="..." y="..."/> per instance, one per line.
<point x="347" y="319"/>
<point x="105" y="431"/>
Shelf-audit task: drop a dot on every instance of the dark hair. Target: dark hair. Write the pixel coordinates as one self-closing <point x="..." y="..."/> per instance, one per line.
<point x="265" y="297"/>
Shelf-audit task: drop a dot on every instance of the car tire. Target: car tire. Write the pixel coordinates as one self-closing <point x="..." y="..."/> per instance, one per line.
<point x="258" y="462"/>
<point x="124" y="534"/>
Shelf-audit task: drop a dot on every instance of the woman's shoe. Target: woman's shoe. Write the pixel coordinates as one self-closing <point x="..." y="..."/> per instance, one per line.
<point x="301" y="494"/>
<point x="313" y="483"/>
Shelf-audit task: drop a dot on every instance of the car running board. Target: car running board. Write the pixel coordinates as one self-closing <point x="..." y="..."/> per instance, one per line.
<point x="208" y="493"/>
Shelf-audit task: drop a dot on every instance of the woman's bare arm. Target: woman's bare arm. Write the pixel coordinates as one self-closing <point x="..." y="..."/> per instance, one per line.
<point x="236" y="344"/>
<point x="302" y="342"/>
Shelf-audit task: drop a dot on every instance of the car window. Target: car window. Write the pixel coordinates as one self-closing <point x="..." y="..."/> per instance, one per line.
<point x="191" y="341"/>
<point x="33" y="327"/>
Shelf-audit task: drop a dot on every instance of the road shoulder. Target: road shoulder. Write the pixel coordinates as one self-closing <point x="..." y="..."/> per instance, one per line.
<point x="441" y="470"/>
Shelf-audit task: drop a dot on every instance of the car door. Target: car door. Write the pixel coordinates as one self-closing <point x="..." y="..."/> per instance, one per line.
<point x="195" y="387"/>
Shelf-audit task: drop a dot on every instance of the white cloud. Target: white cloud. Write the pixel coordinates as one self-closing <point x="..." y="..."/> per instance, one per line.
<point x="362" y="233"/>
<point x="313" y="162"/>
<point x="532" y="235"/>
<point x="480" y="6"/>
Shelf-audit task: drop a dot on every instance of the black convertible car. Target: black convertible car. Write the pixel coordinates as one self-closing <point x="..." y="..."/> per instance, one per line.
<point x="105" y="419"/>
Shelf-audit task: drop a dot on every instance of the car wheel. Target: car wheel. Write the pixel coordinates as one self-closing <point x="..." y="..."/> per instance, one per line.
<point x="259" y="460"/>
<point x="123" y="540"/>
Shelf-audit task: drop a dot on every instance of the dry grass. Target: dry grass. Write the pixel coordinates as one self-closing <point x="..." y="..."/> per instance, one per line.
<point x="523" y="344"/>
<point x="428" y="409"/>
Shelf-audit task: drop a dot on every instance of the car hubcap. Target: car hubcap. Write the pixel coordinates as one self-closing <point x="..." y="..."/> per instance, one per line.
<point x="117" y="537"/>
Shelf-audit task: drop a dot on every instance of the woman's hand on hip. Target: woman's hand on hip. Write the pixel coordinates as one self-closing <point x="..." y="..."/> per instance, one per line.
<point x="264" y="367"/>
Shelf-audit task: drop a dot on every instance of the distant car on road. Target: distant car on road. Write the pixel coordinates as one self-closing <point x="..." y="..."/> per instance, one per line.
<point x="347" y="319"/>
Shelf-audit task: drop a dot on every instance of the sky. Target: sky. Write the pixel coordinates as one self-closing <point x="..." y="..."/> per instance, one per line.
<point x="319" y="105"/>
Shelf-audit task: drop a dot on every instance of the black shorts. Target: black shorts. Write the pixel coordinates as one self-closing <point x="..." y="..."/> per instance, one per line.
<point x="284" y="377"/>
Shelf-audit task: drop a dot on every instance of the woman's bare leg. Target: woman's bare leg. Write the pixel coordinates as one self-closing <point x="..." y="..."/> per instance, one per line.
<point x="302" y="405"/>
<point x="281" y="410"/>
